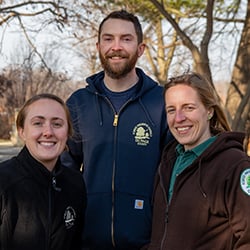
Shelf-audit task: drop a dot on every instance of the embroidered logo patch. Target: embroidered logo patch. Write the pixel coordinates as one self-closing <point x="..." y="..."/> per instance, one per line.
<point x="139" y="204"/>
<point x="245" y="181"/>
<point x="69" y="217"/>
<point x="142" y="134"/>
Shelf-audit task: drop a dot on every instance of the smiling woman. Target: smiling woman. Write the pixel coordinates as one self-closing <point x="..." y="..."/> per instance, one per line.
<point x="44" y="126"/>
<point x="204" y="174"/>
<point x="36" y="200"/>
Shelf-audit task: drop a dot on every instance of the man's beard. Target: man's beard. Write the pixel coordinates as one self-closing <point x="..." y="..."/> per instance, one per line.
<point x="117" y="72"/>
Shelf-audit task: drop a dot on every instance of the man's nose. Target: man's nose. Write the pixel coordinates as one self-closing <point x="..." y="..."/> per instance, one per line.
<point x="117" y="44"/>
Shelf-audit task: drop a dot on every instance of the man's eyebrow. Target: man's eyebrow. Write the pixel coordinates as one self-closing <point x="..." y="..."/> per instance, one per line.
<point x="126" y="34"/>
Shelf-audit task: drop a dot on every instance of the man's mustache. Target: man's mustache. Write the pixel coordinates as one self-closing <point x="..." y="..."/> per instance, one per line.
<point x="117" y="54"/>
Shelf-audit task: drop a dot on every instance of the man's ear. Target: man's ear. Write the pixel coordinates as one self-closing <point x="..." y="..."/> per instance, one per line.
<point x="97" y="45"/>
<point x="141" y="49"/>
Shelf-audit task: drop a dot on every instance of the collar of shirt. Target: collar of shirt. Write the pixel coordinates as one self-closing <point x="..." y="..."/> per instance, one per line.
<point x="185" y="159"/>
<point x="198" y="150"/>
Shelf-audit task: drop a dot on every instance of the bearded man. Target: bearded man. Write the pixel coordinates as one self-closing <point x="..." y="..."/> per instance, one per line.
<point x="120" y="130"/>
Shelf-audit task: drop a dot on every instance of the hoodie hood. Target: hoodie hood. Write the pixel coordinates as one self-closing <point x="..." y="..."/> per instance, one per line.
<point x="146" y="85"/>
<point x="214" y="154"/>
<point x="224" y="141"/>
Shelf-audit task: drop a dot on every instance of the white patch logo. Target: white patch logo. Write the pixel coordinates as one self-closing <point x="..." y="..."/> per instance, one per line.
<point x="142" y="134"/>
<point x="69" y="217"/>
<point x="139" y="204"/>
<point x="245" y="181"/>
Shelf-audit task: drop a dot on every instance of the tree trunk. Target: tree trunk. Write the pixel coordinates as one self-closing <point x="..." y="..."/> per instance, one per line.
<point x="238" y="103"/>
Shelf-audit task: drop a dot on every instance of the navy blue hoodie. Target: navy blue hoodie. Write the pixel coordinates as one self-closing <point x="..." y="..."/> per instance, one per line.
<point x="120" y="153"/>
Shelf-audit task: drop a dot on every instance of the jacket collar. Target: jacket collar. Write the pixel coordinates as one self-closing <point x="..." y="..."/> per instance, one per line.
<point x="35" y="169"/>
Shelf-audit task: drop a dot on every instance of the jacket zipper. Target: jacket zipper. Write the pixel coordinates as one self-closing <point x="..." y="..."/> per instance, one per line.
<point x="49" y="213"/>
<point x="166" y="214"/>
<point x="167" y="210"/>
<point x="116" y="115"/>
<point x="115" y="124"/>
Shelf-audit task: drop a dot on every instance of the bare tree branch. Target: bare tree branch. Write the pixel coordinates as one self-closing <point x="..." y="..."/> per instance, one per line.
<point x="56" y="10"/>
<point x="32" y="45"/>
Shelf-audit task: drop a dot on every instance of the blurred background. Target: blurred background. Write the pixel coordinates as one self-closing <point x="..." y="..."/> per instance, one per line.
<point x="49" y="46"/>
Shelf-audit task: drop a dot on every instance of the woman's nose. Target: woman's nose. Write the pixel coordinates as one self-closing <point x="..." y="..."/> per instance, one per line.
<point x="47" y="130"/>
<point x="180" y="116"/>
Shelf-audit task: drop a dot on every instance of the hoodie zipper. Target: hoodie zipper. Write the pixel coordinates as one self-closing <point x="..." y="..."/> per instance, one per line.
<point x="115" y="124"/>
<point x="166" y="212"/>
<point x="166" y="219"/>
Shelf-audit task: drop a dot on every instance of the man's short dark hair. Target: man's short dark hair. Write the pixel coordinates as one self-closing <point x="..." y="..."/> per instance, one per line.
<point x="124" y="15"/>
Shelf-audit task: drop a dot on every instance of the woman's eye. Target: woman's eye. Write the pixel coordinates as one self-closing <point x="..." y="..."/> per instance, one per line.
<point x="170" y="111"/>
<point x="57" y="125"/>
<point x="189" y="108"/>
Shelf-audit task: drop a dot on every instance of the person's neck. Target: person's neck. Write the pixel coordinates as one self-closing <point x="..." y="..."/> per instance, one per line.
<point x="122" y="84"/>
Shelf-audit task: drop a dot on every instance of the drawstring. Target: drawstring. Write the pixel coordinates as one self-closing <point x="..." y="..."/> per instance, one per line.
<point x="98" y="109"/>
<point x="146" y="112"/>
<point x="200" y="185"/>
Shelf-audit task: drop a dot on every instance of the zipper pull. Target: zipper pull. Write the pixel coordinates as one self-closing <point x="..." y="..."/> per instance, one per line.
<point x="54" y="184"/>
<point x="115" y="122"/>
